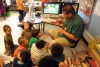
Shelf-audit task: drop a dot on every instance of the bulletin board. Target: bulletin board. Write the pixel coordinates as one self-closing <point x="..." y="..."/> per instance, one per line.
<point x="86" y="6"/>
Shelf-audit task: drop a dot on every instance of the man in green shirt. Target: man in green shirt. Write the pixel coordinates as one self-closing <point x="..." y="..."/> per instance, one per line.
<point x="71" y="30"/>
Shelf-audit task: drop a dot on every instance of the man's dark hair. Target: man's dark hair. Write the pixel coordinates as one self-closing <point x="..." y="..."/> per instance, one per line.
<point x="35" y="32"/>
<point x="69" y="9"/>
<point x="57" y="50"/>
<point x="40" y="44"/>
<point x="48" y="61"/>
<point x="5" y="27"/>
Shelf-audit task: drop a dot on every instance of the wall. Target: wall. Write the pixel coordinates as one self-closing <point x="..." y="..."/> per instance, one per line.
<point x="92" y="30"/>
<point x="94" y="26"/>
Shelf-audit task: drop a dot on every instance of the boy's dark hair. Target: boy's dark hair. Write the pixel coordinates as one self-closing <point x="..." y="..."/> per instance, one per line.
<point x="35" y="32"/>
<point x="69" y="9"/>
<point x="25" y="55"/>
<point x="40" y="44"/>
<point x="48" y="61"/>
<point x="5" y="27"/>
<point x="21" y="40"/>
<point x="57" y="50"/>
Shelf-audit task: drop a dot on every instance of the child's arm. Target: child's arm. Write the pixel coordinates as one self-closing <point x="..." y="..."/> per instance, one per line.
<point x="46" y="47"/>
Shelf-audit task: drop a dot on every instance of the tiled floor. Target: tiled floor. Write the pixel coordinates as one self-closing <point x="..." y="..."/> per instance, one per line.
<point x="16" y="32"/>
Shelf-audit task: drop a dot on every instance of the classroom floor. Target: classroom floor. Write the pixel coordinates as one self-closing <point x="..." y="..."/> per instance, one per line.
<point x="16" y="32"/>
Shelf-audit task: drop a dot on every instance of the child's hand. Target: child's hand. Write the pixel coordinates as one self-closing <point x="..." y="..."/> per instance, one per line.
<point x="62" y="64"/>
<point x="46" y="47"/>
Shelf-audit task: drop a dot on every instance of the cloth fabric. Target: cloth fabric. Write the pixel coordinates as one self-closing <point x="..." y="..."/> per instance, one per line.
<point x="43" y="2"/>
<point x="8" y="2"/>
<point x="8" y="14"/>
<point x="27" y="34"/>
<point x="60" y="40"/>
<point x="21" y="9"/>
<point x="61" y="58"/>
<point x="18" y="49"/>
<point x="20" y="4"/>
<point x="32" y="41"/>
<point x="9" y="45"/>
<point x="27" y="64"/>
<point x="37" y="54"/>
<point x="22" y="14"/>
<point x="74" y="26"/>
<point x="2" y="9"/>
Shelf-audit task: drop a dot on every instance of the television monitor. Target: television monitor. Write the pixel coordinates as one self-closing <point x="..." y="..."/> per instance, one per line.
<point x="52" y="9"/>
<point x="75" y="5"/>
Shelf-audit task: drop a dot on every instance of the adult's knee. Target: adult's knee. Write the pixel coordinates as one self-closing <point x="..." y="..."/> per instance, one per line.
<point x="50" y="32"/>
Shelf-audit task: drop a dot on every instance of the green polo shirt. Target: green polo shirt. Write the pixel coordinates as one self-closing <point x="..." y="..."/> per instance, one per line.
<point x="74" y="26"/>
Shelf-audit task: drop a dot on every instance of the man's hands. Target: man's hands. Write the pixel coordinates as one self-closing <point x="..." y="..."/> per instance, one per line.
<point x="62" y="31"/>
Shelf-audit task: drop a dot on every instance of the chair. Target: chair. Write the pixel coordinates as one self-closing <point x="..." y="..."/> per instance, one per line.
<point x="73" y="49"/>
<point x="75" y="45"/>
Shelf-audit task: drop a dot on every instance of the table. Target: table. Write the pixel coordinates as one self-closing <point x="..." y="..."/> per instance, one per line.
<point x="41" y="21"/>
<point x="52" y="21"/>
<point x="34" y="19"/>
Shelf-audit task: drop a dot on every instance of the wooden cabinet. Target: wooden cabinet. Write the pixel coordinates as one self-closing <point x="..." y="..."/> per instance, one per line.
<point x="94" y="53"/>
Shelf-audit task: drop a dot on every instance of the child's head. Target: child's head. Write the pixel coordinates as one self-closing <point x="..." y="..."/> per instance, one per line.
<point x="27" y="25"/>
<point x="57" y="50"/>
<point x="23" y="41"/>
<point x="24" y="55"/>
<point x="36" y="33"/>
<point x="48" y="61"/>
<point x="7" y="29"/>
<point x="40" y="44"/>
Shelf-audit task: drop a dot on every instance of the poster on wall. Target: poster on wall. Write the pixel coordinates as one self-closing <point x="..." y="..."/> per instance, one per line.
<point x="86" y="6"/>
<point x="97" y="8"/>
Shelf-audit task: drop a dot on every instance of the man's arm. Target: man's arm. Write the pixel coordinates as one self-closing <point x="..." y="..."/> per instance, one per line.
<point x="71" y="36"/>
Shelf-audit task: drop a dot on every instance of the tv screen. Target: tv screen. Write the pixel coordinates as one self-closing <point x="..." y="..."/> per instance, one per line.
<point x="52" y="8"/>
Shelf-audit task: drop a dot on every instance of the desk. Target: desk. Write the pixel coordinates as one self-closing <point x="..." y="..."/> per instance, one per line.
<point x="51" y="21"/>
<point x="43" y="20"/>
<point x="34" y="20"/>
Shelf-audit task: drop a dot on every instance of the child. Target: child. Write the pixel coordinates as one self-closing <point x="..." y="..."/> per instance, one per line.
<point x="23" y="44"/>
<point x="27" y="30"/>
<point x="2" y="9"/>
<point x="57" y="52"/>
<point x="9" y="45"/>
<point x="38" y="51"/>
<point x="23" y="59"/>
<point x="35" y="37"/>
<point x="48" y="61"/>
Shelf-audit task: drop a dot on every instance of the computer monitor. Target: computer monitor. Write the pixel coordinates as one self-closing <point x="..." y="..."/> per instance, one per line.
<point x="75" y="5"/>
<point x="52" y="9"/>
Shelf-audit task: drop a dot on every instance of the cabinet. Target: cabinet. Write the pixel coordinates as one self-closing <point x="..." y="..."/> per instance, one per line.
<point x="93" y="52"/>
